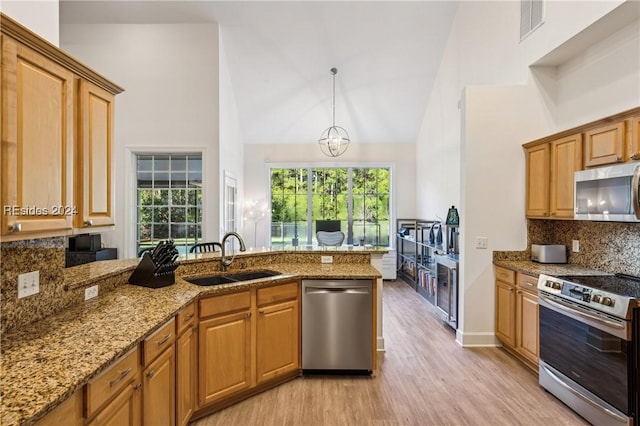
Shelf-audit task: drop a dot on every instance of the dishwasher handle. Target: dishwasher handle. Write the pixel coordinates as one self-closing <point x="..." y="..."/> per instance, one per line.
<point x="329" y="290"/>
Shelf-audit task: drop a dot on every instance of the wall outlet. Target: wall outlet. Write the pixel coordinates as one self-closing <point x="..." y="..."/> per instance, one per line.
<point x="91" y="292"/>
<point x="575" y="246"/>
<point x="28" y="284"/>
<point x="326" y="259"/>
<point x="482" y="242"/>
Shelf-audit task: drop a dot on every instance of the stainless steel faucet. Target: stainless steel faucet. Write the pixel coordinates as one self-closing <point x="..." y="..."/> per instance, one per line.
<point x="223" y="258"/>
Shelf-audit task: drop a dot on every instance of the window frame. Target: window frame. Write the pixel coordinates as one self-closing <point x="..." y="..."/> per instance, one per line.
<point x="131" y="189"/>
<point x="392" y="191"/>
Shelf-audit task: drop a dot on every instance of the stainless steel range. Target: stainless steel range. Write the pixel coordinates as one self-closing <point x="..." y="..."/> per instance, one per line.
<point x="589" y="344"/>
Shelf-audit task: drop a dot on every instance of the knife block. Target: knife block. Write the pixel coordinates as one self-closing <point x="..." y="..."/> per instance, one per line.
<point x="145" y="274"/>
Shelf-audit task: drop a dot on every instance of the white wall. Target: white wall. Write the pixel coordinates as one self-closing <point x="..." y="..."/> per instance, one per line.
<point x="488" y="125"/>
<point x="258" y="157"/>
<point x="231" y="141"/>
<point x="170" y="74"/>
<point x="41" y="17"/>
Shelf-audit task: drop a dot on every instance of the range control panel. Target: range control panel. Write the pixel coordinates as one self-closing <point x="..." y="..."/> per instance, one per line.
<point x="596" y="299"/>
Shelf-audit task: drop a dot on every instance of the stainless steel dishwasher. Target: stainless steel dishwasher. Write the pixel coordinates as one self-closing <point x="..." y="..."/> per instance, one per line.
<point x="336" y="325"/>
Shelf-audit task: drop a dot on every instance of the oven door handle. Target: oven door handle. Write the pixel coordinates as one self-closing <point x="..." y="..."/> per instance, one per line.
<point x="574" y="311"/>
<point x="561" y="382"/>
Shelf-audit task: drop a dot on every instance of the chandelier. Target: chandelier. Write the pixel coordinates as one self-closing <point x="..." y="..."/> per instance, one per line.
<point x="334" y="141"/>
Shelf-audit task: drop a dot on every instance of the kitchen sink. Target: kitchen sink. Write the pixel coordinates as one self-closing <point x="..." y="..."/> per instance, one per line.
<point x="251" y="275"/>
<point x="230" y="277"/>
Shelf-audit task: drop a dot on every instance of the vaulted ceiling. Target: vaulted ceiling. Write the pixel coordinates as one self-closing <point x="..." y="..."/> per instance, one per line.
<point x="280" y="54"/>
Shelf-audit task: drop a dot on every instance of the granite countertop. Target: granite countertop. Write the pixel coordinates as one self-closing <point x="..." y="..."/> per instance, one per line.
<point x="43" y="363"/>
<point x="534" y="268"/>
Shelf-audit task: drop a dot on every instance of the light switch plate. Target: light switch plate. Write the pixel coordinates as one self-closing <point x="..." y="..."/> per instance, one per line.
<point x="28" y="284"/>
<point x="326" y="259"/>
<point x="482" y="242"/>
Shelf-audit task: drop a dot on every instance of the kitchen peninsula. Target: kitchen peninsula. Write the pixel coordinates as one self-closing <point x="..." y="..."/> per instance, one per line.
<point x="53" y="359"/>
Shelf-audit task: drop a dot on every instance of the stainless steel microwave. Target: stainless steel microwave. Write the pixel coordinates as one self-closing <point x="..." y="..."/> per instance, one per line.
<point x="608" y="193"/>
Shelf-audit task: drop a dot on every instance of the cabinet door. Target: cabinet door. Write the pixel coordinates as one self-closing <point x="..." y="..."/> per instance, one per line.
<point x="505" y="313"/>
<point x="278" y="343"/>
<point x="634" y="142"/>
<point x="566" y="158"/>
<point x="68" y="413"/>
<point x="604" y="145"/>
<point x="527" y="322"/>
<point x="37" y="143"/>
<point x="94" y="162"/>
<point x="186" y="347"/>
<point x="537" y="189"/>
<point x="224" y="356"/>
<point x="158" y="390"/>
<point x="124" y="410"/>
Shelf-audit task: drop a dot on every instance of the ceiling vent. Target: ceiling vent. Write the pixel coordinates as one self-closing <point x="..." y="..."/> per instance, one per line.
<point x="530" y="16"/>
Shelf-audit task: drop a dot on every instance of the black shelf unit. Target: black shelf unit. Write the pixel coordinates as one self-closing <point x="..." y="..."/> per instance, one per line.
<point x="417" y="246"/>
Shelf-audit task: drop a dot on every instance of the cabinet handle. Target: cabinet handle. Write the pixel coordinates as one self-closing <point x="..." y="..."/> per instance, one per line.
<point x="553" y="213"/>
<point x="510" y="290"/>
<point x="261" y="311"/>
<point x="545" y="214"/>
<point x="248" y="314"/>
<point x="151" y="373"/>
<point x="17" y="227"/>
<point x="117" y="380"/>
<point x="618" y="158"/>
<point x="88" y="223"/>
<point x="636" y="156"/>
<point x="164" y="340"/>
<point x="187" y="318"/>
<point x="137" y="387"/>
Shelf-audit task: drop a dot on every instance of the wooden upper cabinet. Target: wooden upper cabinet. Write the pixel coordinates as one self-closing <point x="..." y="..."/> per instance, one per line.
<point x="537" y="181"/>
<point x="566" y="158"/>
<point x="634" y="141"/>
<point x="604" y="144"/>
<point x="37" y="143"/>
<point x="94" y="157"/>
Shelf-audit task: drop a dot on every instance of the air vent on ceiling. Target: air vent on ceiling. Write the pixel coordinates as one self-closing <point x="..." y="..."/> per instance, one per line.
<point x="530" y="16"/>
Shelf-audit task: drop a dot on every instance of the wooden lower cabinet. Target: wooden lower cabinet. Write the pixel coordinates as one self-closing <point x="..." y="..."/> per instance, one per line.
<point x="68" y="413"/>
<point x="124" y="410"/>
<point x="527" y="322"/>
<point x="517" y="314"/>
<point x="505" y="306"/>
<point x="158" y="390"/>
<point x="246" y="340"/>
<point x="225" y="356"/>
<point x="186" y="366"/>
<point x="277" y="338"/>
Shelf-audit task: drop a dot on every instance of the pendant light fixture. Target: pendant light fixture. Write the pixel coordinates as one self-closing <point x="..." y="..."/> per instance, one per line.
<point x="334" y="140"/>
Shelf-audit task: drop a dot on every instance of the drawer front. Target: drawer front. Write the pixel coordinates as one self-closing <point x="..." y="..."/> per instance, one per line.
<point x="527" y="282"/>
<point x="505" y="275"/>
<point x="111" y="381"/>
<point x="185" y="318"/>
<point x="277" y="293"/>
<point x="153" y="345"/>
<point x="224" y="304"/>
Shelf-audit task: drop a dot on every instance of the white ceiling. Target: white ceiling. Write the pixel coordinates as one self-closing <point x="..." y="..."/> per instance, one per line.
<point x="280" y="53"/>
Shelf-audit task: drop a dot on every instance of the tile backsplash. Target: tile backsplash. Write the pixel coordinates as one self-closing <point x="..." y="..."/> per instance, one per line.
<point x="607" y="246"/>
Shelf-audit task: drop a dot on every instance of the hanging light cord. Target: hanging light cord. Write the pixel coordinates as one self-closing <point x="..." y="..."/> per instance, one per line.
<point x="334" y="71"/>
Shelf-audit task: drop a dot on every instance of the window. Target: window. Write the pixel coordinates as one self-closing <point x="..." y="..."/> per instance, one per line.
<point x="169" y="199"/>
<point x="356" y="197"/>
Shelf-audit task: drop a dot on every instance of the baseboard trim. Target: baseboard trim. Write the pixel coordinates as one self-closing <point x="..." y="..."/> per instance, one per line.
<point x="476" y="339"/>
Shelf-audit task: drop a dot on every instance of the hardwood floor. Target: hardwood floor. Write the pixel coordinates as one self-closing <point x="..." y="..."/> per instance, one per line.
<point x="424" y="378"/>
